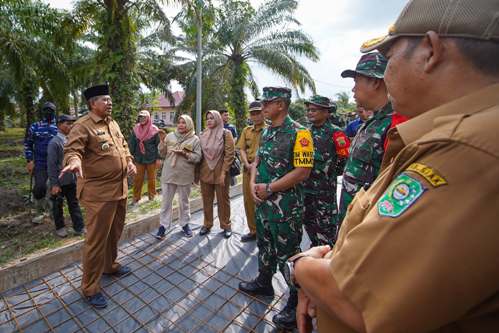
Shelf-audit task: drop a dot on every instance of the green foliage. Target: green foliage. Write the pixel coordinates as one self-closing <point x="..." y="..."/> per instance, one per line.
<point x="298" y="111"/>
<point x="242" y="35"/>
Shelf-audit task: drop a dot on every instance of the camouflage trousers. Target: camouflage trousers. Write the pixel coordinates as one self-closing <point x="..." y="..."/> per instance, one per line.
<point x="320" y="218"/>
<point x="277" y="241"/>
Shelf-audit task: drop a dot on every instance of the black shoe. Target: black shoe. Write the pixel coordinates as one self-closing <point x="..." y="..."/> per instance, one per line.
<point x="262" y="285"/>
<point x="98" y="301"/>
<point x="248" y="238"/>
<point x="186" y="230"/>
<point x="161" y="232"/>
<point x="121" y="272"/>
<point x="203" y="231"/>
<point x="286" y="319"/>
<point x="227" y="233"/>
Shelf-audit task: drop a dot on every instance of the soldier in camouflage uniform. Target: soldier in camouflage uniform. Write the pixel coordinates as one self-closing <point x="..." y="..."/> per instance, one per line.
<point x="284" y="160"/>
<point x="366" y="152"/>
<point x="330" y="153"/>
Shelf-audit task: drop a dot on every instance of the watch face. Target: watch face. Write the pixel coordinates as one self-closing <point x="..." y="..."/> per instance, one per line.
<point x="287" y="272"/>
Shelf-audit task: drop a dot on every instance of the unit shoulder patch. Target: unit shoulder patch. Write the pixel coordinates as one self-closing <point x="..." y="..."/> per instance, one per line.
<point x="428" y="173"/>
<point x="303" y="151"/>
<point x="402" y="193"/>
<point x="342" y="144"/>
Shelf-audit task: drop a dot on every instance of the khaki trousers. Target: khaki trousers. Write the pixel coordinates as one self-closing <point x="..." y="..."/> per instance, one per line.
<point x="138" y="181"/>
<point x="249" y="204"/>
<point x="104" y="222"/>
<point x="208" y="192"/>
<point x="166" y="212"/>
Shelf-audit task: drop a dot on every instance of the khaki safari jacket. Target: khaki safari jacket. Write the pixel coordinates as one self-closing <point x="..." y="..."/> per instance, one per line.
<point x="103" y="152"/>
<point x="419" y="251"/>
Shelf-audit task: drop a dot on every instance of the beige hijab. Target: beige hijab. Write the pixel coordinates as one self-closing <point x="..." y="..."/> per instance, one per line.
<point x="212" y="141"/>
<point x="181" y="138"/>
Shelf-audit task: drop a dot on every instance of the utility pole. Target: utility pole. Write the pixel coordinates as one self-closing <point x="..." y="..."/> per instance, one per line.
<point x="199" y="65"/>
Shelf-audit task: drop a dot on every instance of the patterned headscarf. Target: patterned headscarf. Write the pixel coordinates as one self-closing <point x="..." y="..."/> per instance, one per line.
<point x="144" y="132"/>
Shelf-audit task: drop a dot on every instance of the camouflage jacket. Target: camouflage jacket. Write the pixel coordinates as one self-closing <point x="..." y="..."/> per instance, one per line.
<point x="330" y="149"/>
<point x="281" y="150"/>
<point x="367" y="149"/>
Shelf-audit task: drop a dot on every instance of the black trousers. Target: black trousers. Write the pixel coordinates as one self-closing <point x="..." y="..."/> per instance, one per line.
<point x="68" y="192"/>
<point x="40" y="186"/>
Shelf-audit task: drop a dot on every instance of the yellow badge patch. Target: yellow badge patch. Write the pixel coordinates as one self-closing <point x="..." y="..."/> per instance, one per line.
<point x="427" y="173"/>
<point x="303" y="152"/>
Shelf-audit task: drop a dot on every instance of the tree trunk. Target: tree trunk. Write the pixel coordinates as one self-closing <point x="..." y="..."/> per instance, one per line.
<point x="237" y="97"/>
<point x="27" y="104"/>
<point x="120" y="54"/>
<point x="2" y="120"/>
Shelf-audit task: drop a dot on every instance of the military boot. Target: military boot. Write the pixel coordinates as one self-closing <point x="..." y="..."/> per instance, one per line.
<point x="286" y="319"/>
<point x="262" y="285"/>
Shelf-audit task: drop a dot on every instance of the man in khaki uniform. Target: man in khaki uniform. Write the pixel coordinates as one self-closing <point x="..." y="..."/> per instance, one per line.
<point x="248" y="144"/>
<point x="418" y="251"/>
<point x="98" y="152"/>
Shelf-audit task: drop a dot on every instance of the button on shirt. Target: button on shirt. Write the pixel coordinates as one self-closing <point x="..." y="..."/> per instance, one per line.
<point x="418" y="252"/>
<point x="103" y="152"/>
<point x="249" y="141"/>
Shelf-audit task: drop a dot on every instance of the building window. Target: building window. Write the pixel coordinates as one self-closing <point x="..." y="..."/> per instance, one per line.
<point x="172" y="117"/>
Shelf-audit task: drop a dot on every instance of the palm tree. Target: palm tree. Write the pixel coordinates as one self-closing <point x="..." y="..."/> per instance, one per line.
<point x="268" y="36"/>
<point x="117" y="28"/>
<point x="28" y="37"/>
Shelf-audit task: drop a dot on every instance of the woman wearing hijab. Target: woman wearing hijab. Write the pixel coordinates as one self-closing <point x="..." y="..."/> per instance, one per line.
<point x="218" y="154"/>
<point x="182" y="151"/>
<point x="144" y="149"/>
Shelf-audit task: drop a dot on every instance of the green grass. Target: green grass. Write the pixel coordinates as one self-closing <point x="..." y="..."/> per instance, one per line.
<point x="12" y="134"/>
<point x="25" y="243"/>
<point x="13" y="173"/>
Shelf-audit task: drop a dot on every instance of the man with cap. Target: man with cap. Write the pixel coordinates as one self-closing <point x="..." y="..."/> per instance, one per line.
<point x="97" y="151"/>
<point x="330" y="153"/>
<point x="418" y="251"/>
<point x="248" y="145"/>
<point x="366" y="153"/>
<point x="36" y="142"/>
<point x="284" y="159"/>
<point x="64" y="187"/>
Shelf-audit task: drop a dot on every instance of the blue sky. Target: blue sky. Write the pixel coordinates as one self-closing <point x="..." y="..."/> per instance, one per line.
<point x="338" y="28"/>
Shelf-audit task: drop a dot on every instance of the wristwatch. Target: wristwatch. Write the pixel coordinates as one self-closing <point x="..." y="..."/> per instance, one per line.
<point x="268" y="190"/>
<point x="289" y="269"/>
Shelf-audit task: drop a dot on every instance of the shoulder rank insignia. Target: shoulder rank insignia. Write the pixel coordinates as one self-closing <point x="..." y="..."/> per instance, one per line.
<point x="400" y="195"/>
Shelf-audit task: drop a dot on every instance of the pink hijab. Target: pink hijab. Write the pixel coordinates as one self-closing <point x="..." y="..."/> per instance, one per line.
<point x="212" y="141"/>
<point x="144" y="132"/>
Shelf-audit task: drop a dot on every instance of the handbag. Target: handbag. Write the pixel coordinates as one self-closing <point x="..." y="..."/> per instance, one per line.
<point x="235" y="167"/>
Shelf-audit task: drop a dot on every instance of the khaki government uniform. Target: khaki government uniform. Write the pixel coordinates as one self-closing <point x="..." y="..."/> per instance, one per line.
<point x="433" y="266"/>
<point x="210" y="185"/>
<point x="100" y="146"/>
<point x="249" y="141"/>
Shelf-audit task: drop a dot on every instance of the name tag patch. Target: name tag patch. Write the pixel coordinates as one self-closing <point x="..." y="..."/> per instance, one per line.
<point x="428" y="173"/>
<point x="400" y="195"/>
